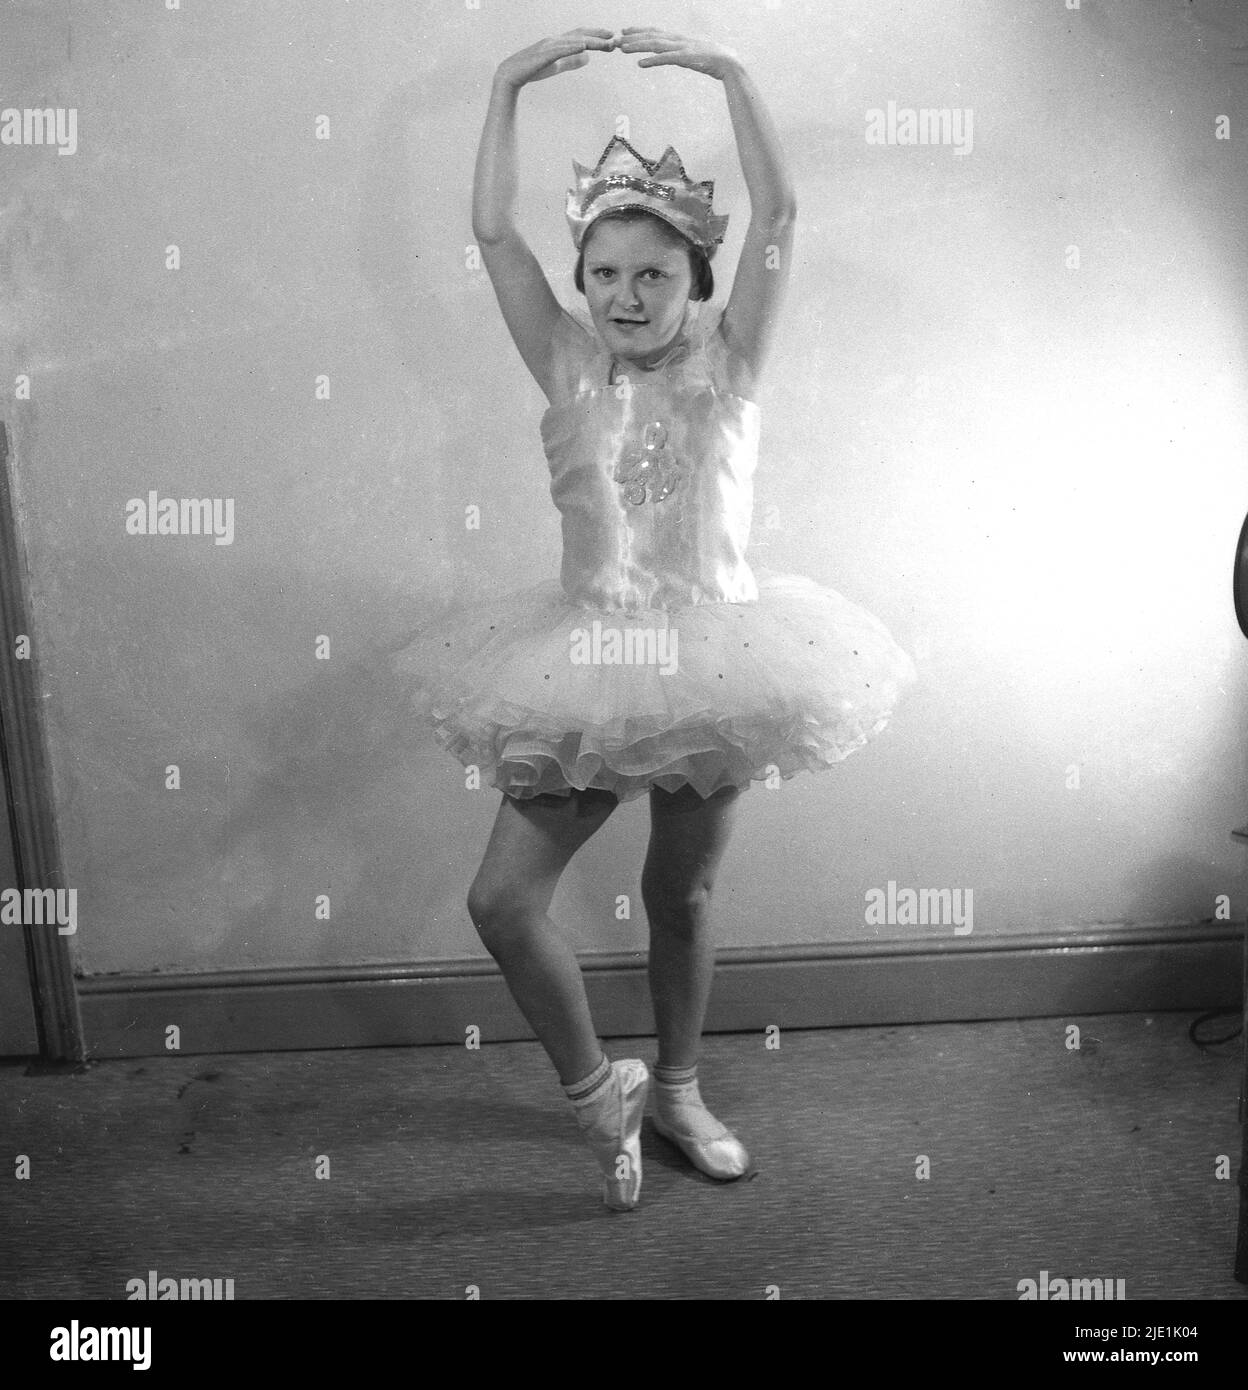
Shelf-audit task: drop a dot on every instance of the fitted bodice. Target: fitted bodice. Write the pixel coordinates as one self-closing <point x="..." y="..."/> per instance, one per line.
<point x="653" y="475"/>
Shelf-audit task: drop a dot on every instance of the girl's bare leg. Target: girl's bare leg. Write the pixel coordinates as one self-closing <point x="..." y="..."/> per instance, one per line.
<point x="688" y="836"/>
<point x="529" y="848"/>
<point x="688" y="839"/>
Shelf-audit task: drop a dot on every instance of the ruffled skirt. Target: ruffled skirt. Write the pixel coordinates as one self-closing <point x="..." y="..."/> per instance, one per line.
<point x="544" y="695"/>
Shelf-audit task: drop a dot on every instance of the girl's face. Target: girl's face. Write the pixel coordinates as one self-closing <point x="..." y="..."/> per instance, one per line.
<point x="637" y="283"/>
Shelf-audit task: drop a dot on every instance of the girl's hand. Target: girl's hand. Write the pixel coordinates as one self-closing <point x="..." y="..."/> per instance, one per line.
<point x="699" y="54"/>
<point x="550" y="56"/>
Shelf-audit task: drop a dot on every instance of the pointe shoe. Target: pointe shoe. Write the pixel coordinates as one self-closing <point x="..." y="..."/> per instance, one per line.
<point x="716" y="1150"/>
<point x="611" y="1122"/>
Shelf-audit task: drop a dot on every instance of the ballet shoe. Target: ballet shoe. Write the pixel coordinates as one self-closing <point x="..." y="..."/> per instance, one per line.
<point x="714" y="1149"/>
<point x="611" y="1122"/>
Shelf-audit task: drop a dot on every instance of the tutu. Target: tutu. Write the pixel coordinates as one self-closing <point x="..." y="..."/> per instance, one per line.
<point x="659" y="658"/>
<point x="794" y="682"/>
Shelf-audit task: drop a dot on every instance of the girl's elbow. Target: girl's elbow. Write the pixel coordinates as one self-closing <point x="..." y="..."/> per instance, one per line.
<point x="489" y="233"/>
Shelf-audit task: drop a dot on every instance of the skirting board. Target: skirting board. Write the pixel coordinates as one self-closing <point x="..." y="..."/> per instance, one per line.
<point x="1063" y="975"/>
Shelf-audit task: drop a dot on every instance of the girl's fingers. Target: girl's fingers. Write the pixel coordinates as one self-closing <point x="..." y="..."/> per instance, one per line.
<point x="584" y="38"/>
<point x="654" y="45"/>
<point x="572" y="44"/>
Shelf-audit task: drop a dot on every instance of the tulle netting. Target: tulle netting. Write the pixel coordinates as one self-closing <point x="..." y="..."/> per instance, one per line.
<point x="795" y="682"/>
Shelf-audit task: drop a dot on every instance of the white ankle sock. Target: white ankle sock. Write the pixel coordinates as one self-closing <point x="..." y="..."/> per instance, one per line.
<point x="588" y="1084"/>
<point x="681" y="1107"/>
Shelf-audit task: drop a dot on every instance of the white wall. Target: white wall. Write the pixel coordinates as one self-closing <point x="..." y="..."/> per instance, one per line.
<point x="1032" y="472"/>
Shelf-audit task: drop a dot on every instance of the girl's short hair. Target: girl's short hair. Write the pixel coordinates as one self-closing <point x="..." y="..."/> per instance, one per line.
<point x="699" y="262"/>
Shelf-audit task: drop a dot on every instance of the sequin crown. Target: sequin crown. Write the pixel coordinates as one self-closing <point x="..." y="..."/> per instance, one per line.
<point x="625" y="179"/>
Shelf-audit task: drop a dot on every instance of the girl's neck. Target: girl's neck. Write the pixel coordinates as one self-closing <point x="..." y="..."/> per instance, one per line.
<point x="652" y="361"/>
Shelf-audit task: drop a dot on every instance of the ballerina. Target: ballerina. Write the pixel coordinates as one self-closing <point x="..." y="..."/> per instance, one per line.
<point x="701" y="675"/>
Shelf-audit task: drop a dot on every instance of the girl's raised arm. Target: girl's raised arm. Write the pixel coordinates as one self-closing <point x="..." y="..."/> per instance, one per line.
<point x="528" y="304"/>
<point x="753" y="307"/>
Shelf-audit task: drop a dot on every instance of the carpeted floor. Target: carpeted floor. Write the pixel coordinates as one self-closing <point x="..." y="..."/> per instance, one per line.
<point x="450" y="1168"/>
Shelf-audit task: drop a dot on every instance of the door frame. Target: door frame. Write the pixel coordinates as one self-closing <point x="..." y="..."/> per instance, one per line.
<point x="25" y="769"/>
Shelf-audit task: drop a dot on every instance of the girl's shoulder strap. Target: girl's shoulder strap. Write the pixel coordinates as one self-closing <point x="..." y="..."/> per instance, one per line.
<point x="708" y="356"/>
<point x="723" y="367"/>
<point x="710" y="342"/>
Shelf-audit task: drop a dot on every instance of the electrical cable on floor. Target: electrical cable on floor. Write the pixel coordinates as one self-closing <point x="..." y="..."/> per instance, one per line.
<point x="1204" y="1043"/>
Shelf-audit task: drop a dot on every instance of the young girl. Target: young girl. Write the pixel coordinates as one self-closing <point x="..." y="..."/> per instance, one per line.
<point x="659" y="663"/>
